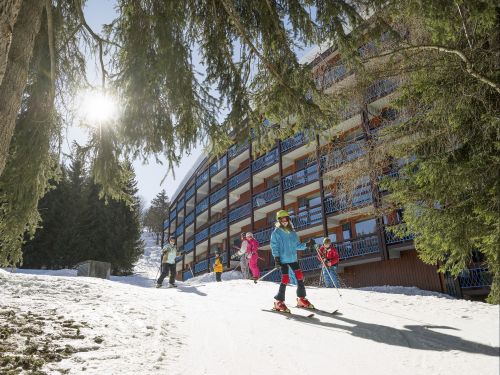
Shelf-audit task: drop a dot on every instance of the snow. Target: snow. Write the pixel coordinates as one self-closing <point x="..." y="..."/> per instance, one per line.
<point x="125" y="326"/>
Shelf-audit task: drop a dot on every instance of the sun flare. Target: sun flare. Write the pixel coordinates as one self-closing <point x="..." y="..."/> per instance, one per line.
<point x="96" y="108"/>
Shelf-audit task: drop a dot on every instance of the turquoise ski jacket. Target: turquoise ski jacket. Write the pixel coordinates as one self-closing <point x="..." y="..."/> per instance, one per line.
<point x="285" y="244"/>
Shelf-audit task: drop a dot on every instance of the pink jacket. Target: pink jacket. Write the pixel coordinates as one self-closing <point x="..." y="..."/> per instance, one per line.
<point x="252" y="247"/>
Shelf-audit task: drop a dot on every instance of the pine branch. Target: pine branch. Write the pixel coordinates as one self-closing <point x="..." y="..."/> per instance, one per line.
<point x="50" y="32"/>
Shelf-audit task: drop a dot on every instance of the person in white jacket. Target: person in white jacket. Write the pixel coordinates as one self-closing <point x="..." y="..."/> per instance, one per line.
<point x="243" y="258"/>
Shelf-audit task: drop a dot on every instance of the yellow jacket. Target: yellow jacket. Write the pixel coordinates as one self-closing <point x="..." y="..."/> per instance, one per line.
<point x="218" y="264"/>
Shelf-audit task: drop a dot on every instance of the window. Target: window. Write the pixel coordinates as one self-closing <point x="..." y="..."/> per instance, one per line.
<point x="346" y="231"/>
<point x="316" y="201"/>
<point x="272" y="181"/>
<point x="366" y="227"/>
<point x="333" y="237"/>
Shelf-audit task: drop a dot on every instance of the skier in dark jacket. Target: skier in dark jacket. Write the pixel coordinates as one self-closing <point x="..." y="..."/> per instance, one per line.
<point x="168" y="263"/>
<point x="284" y="246"/>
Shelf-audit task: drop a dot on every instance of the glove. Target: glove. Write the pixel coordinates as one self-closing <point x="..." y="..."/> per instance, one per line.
<point x="311" y="243"/>
<point x="277" y="262"/>
<point x="328" y="263"/>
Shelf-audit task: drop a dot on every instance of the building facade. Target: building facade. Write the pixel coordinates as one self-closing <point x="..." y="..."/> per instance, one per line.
<point x="219" y="199"/>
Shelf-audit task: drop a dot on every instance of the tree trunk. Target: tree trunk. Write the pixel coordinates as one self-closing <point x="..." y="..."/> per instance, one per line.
<point x="15" y="76"/>
<point x="9" y="10"/>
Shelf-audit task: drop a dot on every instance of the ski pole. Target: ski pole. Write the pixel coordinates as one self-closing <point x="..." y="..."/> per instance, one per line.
<point x="156" y="277"/>
<point x="270" y="272"/>
<point x="327" y="270"/>
<point x="192" y="273"/>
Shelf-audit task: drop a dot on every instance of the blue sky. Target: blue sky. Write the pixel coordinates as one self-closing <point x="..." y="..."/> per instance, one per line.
<point x="149" y="176"/>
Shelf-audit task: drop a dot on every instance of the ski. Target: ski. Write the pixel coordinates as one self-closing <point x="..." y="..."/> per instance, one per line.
<point x="321" y="312"/>
<point x="290" y="314"/>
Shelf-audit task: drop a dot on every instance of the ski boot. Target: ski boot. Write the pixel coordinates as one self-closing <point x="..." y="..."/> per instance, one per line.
<point x="280" y="307"/>
<point x="172" y="285"/>
<point x="303" y="303"/>
<point x="158" y="286"/>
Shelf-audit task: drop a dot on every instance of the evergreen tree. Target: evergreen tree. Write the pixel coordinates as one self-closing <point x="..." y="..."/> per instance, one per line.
<point x="157" y="213"/>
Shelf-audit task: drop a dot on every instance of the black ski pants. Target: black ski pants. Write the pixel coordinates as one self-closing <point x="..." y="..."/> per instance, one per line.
<point x="167" y="268"/>
<point x="301" y="290"/>
<point x="218" y="276"/>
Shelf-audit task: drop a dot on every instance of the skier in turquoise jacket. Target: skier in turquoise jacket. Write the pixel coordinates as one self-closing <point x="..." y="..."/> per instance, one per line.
<point x="284" y="246"/>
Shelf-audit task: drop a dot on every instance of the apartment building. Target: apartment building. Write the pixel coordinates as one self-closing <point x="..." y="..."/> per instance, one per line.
<point x="238" y="192"/>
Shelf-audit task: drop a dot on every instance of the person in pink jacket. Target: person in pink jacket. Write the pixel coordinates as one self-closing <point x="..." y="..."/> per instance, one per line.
<point x="253" y="256"/>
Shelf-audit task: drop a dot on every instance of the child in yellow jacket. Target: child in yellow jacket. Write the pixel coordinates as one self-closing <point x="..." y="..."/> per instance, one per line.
<point x="218" y="266"/>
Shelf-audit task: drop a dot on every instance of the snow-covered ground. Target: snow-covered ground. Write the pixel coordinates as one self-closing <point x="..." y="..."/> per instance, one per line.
<point x="125" y="326"/>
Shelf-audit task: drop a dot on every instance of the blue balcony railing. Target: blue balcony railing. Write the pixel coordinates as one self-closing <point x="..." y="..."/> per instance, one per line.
<point x="265" y="161"/>
<point x="381" y="88"/>
<point x="189" y="219"/>
<point x="240" y="212"/>
<point x="297" y="140"/>
<point x="180" y="230"/>
<point x="266" y="197"/>
<point x="180" y="204"/>
<point x="264" y="235"/>
<point x="218" y="227"/>
<point x="201" y="236"/>
<point x="173" y="215"/>
<point x="239" y="179"/>
<point x="188" y="247"/>
<point x="300" y="178"/>
<point x="218" y="195"/>
<point x="165" y="224"/>
<point x="341" y="155"/>
<point x="186" y="275"/>
<point x="310" y="263"/>
<point x="361" y="197"/>
<point x="392" y="238"/>
<point x="202" y="178"/>
<point x="235" y="150"/>
<point x="307" y="218"/>
<point x="358" y="247"/>
<point x="202" y="206"/>
<point x="201" y="266"/>
<point x="478" y="277"/>
<point x="217" y="166"/>
<point x="334" y="74"/>
<point x="190" y="192"/>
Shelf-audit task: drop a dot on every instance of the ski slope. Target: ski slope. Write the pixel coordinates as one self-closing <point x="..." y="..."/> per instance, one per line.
<point x="125" y="326"/>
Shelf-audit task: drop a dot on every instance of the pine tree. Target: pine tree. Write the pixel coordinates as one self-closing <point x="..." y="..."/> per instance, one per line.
<point x="157" y="213"/>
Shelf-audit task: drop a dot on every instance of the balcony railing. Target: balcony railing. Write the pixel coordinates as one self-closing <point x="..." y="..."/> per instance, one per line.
<point x="341" y="155"/>
<point x="297" y="140"/>
<point x="166" y="223"/>
<point x="179" y="231"/>
<point x="307" y="218"/>
<point x="239" y="179"/>
<point x="218" y="165"/>
<point x="218" y="195"/>
<point x="202" y="178"/>
<point x="218" y="227"/>
<point x="201" y="266"/>
<point x="475" y="278"/>
<point x="349" y="111"/>
<point x="202" y="206"/>
<point x="188" y="247"/>
<point x="310" y="263"/>
<point x="358" y="247"/>
<point x="264" y="235"/>
<point x="381" y="88"/>
<point x="334" y="74"/>
<point x="173" y="215"/>
<point x="361" y="197"/>
<point x="180" y="204"/>
<point x="392" y="238"/>
<point x="266" y="197"/>
<point x="240" y="212"/>
<point x="235" y="150"/>
<point x="186" y="275"/>
<point x="189" y="219"/>
<point x="201" y="236"/>
<point x="190" y="192"/>
<point x="265" y="161"/>
<point x="302" y="177"/>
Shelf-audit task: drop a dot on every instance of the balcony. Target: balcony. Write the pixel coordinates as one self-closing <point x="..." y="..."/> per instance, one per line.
<point x="179" y="231"/>
<point x="308" y="218"/>
<point x="478" y="277"/>
<point x="173" y="215"/>
<point x="188" y="247"/>
<point x="180" y="204"/>
<point x="265" y="161"/>
<point x="310" y="263"/>
<point x="219" y="197"/>
<point x="189" y="219"/>
<point x="392" y="238"/>
<point x="362" y="196"/>
<point x="235" y="150"/>
<point x="264" y="236"/>
<point x="201" y="236"/>
<point x="217" y="166"/>
<point x="339" y="156"/>
<point x="202" y="206"/>
<point x="240" y="212"/>
<point x="358" y="247"/>
<point x="190" y="192"/>
<point x="201" y="179"/>
<point x="186" y="275"/>
<point x="239" y="179"/>
<point x="332" y="75"/>
<point x="300" y="178"/>
<point x="201" y="266"/>
<point x="297" y="140"/>
<point x="165" y="224"/>
<point x="266" y="197"/>
<point x="218" y="227"/>
<point x="380" y="89"/>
